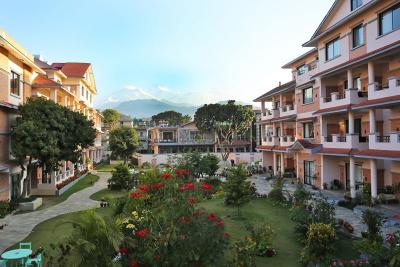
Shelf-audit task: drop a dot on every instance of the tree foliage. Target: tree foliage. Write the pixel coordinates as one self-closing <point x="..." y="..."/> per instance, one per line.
<point x="227" y="120"/>
<point x="172" y="117"/>
<point x="121" y="178"/>
<point x="123" y="142"/>
<point x="49" y="133"/>
<point x="111" y="118"/>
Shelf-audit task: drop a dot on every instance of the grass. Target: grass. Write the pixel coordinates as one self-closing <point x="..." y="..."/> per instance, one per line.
<point x="261" y="211"/>
<point x="103" y="167"/>
<point x="108" y="194"/>
<point x="85" y="182"/>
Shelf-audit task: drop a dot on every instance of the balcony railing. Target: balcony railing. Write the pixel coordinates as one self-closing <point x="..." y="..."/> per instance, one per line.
<point x="387" y="89"/>
<point x="383" y="139"/>
<point x="350" y="96"/>
<point x="165" y="140"/>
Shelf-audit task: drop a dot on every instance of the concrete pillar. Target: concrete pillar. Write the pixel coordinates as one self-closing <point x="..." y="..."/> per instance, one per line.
<point x="296" y="131"/>
<point x="53" y="95"/>
<point x="374" y="179"/>
<point x="350" y="79"/>
<point x="282" y="163"/>
<point x="352" y="178"/>
<point x="281" y="126"/>
<point x="274" y="133"/>
<point x="372" y="121"/>
<point x="274" y="163"/>
<point x="371" y="72"/>
<point x="297" y="167"/>
<point x="281" y="100"/>
<point x="263" y="106"/>
<point x="351" y="123"/>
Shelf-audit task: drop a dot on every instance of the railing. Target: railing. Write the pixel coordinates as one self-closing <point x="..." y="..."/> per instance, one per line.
<point x="341" y="139"/>
<point x="328" y="99"/>
<point x="165" y="140"/>
<point x="288" y="139"/>
<point x="383" y="139"/>
<point x="363" y="139"/>
<point x="362" y="94"/>
<point x="382" y="86"/>
<point x="328" y="139"/>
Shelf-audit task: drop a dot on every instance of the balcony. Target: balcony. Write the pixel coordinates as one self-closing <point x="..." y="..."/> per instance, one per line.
<point x="286" y="140"/>
<point x="351" y="96"/>
<point x="270" y="114"/>
<point x="287" y="110"/>
<point x="349" y="141"/>
<point x="165" y="141"/>
<point x="270" y="141"/>
<point x="392" y="88"/>
<point x="385" y="142"/>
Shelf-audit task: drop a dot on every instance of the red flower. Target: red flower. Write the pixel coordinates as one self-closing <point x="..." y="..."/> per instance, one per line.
<point x="134" y="263"/>
<point x="155" y="186"/>
<point x="181" y="189"/>
<point x="189" y="186"/>
<point x="219" y="223"/>
<point x="206" y="187"/>
<point x="192" y="200"/>
<point x="144" y="187"/>
<point x="212" y="216"/>
<point x="137" y="195"/>
<point x="182" y="172"/>
<point x="185" y="220"/>
<point x="157" y="257"/>
<point x="142" y="233"/>
<point x="197" y="213"/>
<point x="227" y="235"/>
<point x="166" y="175"/>
<point x="123" y="251"/>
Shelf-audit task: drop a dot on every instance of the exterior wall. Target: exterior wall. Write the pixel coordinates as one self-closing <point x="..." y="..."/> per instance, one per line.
<point x="268" y="159"/>
<point x="304" y="108"/>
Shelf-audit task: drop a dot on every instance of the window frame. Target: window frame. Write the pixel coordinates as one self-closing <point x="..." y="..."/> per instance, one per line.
<point x="358" y="27"/>
<point x="304" y="98"/>
<point x="310" y="134"/>
<point x="380" y="19"/>
<point x="352" y="2"/>
<point x="332" y="42"/>
<point x="17" y="84"/>
<point x="302" y="69"/>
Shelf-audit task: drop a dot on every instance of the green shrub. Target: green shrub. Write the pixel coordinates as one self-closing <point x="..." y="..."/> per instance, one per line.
<point x="243" y="253"/>
<point x="301" y="196"/>
<point x="319" y="244"/>
<point x="4" y="208"/>
<point x="146" y="165"/>
<point x="323" y="211"/>
<point x="263" y="237"/>
<point x="276" y="193"/>
<point x="121" y="178"/>
<point x="373" y="220"/>
<point x="302" y="218"/>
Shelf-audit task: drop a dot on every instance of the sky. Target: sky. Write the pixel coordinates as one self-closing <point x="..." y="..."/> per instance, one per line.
<point x="184" y="51"/>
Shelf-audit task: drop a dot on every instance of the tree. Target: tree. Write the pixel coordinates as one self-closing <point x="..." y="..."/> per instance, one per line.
<point x="121" y="178"/>
<point x="124" y="142"/>
<point x="172" y="117"/>
<point x="238" y="190"/>
<point x="111" y="118"/>
<point x="209" y="164"/>
<point x="227" y="121"/>
<point x="46" y="133"/>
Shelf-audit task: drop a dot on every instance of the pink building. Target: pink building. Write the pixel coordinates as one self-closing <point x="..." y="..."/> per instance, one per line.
<point x="339" y="118"/>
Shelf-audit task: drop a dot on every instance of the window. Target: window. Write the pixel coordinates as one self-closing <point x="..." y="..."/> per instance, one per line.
<point x="355" y="4"/>
<point x="389" y="20"/>
<point x="301" y="69"/>
<point x="357" y="83"/>
<point x="83" y="91"/>
<point x="309" y="172"/>
<point x="308" y="130"/>
<point x="15" y="84"/>
<point x="358" y="36"/>
<point x="87" y="95"/>
<point x="333" y="49"/>
<point x="194" y="135"/>
<point x="307" y="95"/>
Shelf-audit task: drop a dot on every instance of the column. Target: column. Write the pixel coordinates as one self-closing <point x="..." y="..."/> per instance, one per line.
<point x="352" y="178"/>
<point x="274" y="133"/>
<point x="350" y="79"/>
<point x="371" y="73"/>
<point x="263" y="107"/>
<point x="274" y="163"/>
<point x="281" y="100"/>
<point x="281" y="126"/>
<point x="297" y="167"/>
<point x="374" y="179"/>
<point x="296" y="131"/>
<point x="351" y="123"/>
<point x="372" y="121"/>
<point x="282" y="163"/>
<point x="53" y="95"/>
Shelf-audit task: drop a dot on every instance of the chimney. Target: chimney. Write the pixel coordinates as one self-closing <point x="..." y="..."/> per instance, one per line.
<point x="280" y="83"/>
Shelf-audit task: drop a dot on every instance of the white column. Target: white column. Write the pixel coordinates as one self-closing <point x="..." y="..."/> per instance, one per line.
<point x="281" y="100"/>
<point x="295" y="131"/>
<point x="297" y="166"/>
<point x="281" y="126"/>
<point x="372" y="121"/>
<point x="53" y="95"/>
<point x="371" y="72"/>
<point x="374" y="179"/>
<point x="263" y="106"/>
<point x="274" y="133"/>
<point x="274" y="163"/>
<point x="349" y="79"/>
<point x="351" y="123"/>
<point x="282" y="163"/>
<point x="352" y="178"/>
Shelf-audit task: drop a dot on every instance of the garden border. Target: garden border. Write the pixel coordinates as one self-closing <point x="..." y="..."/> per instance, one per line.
<point x="68" y="186"/>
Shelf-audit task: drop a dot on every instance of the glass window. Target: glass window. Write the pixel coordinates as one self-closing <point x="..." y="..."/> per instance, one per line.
<point x="309" y="172"/>
<point x="307" y="95"/>
<point x="355" y="4"/>
<point x="15" y="83"/>
<point x="357" y="83"/>
<point x="358" y="36"/>
<point x="83" y="91"/>
<point x="301" y="69"/>
<point x="389" y="20"/>
<point x="308" y="130"/>
<point x="333" y="49"/>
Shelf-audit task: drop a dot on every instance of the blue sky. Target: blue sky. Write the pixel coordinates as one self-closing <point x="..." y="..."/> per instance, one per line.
<point x="192" y="51"/>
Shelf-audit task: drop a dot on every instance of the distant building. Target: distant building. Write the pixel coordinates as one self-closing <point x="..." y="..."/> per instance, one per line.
<point x="125" y="121"/>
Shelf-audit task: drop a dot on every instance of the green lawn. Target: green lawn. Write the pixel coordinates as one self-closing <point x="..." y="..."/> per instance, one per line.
<point x="102" y="167"/>
<point x="259" y="211"/>
<point x="107" y="194"/>
<point x="87" y="181"/>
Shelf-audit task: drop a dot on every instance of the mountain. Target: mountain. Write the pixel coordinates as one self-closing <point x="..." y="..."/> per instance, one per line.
<point x="145" y="108"/>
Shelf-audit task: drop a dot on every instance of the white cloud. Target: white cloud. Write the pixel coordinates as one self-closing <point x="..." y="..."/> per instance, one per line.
<point x="138" y="93"/>
<point x="112" y="99"/>
<point x="163" y="88"/>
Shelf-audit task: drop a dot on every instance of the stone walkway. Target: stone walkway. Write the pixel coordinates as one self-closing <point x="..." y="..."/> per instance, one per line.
<point x="353" y="217"/>
<point x="20" y="226"/>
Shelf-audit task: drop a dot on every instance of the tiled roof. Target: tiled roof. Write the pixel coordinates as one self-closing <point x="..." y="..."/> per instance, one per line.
<point x="280" y="148"/>
<point x="379" y="153"/>
<point x="307" y="144"/>
<point x="374" y="102"/>
<point x="42" y="64"/>
<point x="333" y="109"/>
<point x="283" y="118"/>
<point x="307" y="119"/>
<point x="42" y="80"/>
<point x="72" y="69"/>
<point x="336" y="151"/>
<point x="265" y="147"/>
<point x="282" y="88"/>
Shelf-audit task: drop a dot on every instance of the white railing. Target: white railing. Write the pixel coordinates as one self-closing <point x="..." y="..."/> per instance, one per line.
<point x="385" y="142"/>
<point x="348" y="141"/>
<point x="392" y="88"/>
<point x="350" y="96"/>
<point x="286" y="140"/>
<point x="287" y="110"/>
<point x="271" y="141"/>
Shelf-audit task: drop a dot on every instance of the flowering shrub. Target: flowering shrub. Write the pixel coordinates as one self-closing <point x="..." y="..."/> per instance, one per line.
<point x="162" y="227"/>
<point x="263" y="238"/>
<point x="70" y="179"/>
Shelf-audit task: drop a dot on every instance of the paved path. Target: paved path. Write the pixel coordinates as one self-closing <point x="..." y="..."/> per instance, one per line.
<point x="20" y="226"/>
<point x="353" y="217"/>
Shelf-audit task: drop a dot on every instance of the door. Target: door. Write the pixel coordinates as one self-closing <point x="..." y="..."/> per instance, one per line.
<point x="309" y="171"/>
<point x="358" y="176"/>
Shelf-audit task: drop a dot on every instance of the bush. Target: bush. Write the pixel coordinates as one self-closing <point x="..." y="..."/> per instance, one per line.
<point x="4" y="208"/>
<point x="276" y="193"/>
<point x="301" y="196"/>
<point x="323" y="212"/>
<point x="302" y="218"/>
<point x="243" y="252"/>
<point x="263" y="238"/>
<point x="146" y="165"/>
<point x="121" y="178"/>
<point x="373" y="220"/>
<point x="319" y="244"/>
